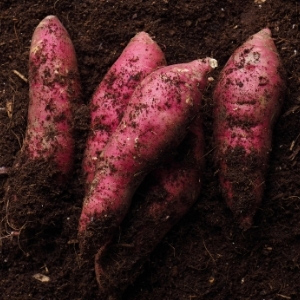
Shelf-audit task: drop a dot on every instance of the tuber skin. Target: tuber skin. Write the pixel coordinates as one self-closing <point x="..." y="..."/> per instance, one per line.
<point x="141" y="56"/>
<point x="54" y="90"/>
<point x="174" y="188"/>
<point x="247" y="102"/>
<point x="155" y="121"/>
<point x="47" y="153"/>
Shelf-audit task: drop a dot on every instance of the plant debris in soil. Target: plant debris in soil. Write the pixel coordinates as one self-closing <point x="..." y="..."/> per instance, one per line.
<point x="206" y="255"/>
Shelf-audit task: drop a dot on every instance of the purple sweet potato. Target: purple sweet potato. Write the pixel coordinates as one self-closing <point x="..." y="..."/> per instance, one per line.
<point x="155" y="121"/>
<point x="44" y="163"/>
<point x="172" y="189"/>
<point x="53" y="88"/>
<point x="247" y="100"/>
<point x="141" y="56"/>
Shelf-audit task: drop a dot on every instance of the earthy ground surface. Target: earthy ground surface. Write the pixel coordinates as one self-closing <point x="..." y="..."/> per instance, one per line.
<point x="206" y="255"/>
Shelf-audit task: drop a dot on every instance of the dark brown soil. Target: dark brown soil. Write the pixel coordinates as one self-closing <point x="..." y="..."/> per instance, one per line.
<point x="206" y="255"/>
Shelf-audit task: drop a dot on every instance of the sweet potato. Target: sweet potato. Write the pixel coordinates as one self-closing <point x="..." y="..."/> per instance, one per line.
<point x="154" y="123"/>
<point x="141" y="56"/>
<point x="53" y="88"/>
<point x="170" y="192"/>
<point x="45" y="160"/>
<point x="247" y="100"/>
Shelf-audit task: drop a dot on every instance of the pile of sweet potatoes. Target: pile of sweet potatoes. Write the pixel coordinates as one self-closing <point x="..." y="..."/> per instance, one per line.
<point x="146" y="126"/>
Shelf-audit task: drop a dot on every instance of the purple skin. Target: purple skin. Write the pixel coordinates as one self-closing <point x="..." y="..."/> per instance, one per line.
<point x="247" y="100"/>
<point x="175" y="189"/>
<point x="53" y="88"/>
<point x="141" y="57"/>
<point x="155" y="122"/>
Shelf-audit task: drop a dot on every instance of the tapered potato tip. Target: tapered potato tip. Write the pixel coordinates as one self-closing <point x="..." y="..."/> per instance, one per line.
<point x="262" y="39"/>
<point x="48" y="19"/>
<point x="143" y="37"/>
<point x="265" y="31"/>
<point x="50" y="31"/>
